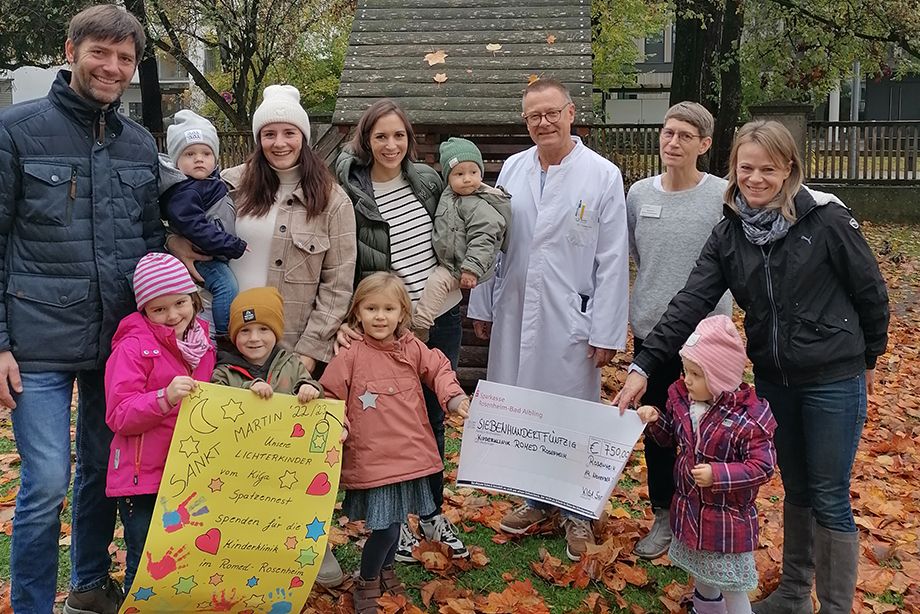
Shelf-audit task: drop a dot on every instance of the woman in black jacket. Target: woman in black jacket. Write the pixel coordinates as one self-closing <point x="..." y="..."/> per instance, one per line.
<point x="816" y="320"/>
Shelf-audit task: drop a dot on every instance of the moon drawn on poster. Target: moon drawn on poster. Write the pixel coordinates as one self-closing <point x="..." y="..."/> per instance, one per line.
<point x="197" y="419"/>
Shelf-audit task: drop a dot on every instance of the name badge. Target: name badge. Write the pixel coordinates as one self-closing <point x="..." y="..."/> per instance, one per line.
<point x="650" y="211"/>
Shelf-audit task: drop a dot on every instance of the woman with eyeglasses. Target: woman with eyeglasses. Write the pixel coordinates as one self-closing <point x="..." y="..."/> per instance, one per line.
<point x="816" y="321"/>
<point x="669" y="217"/>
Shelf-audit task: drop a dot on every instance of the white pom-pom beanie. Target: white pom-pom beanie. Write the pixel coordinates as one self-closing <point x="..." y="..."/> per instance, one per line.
<point x="280" y="104"/>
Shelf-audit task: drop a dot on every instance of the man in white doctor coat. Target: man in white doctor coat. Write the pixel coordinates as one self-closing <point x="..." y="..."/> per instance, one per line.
<point x="556" y="309"/>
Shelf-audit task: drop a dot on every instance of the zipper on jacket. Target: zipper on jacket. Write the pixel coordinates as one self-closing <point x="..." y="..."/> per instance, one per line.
<point x="73" y="195"/>
<point x="137" y="457"/>
<point x="775" y="332"/>
<point x="73" y="183"/>
<point x="100" y="140"/>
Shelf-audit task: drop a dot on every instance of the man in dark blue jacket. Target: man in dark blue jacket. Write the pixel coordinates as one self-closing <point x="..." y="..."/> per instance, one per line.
<point x="78" y="209"/>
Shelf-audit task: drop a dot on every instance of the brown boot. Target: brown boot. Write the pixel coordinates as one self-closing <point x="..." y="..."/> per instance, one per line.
<point x="390" y="583"/>
<point x="366" y="593"/>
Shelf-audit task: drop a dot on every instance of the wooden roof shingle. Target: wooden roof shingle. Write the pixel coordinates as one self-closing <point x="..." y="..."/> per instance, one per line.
<point x="483" y="86"/>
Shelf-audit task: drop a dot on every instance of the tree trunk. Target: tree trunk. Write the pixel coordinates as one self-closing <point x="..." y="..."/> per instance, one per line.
<point x="730" y="79"/>
<point x="688" y="54"/>
<point x="149" y="73"/>
<point x="696" y="41"/>
<point x="696" y="46"/>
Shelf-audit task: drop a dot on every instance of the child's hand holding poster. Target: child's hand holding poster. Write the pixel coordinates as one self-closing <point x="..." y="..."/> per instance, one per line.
<point x="245" y="505"/>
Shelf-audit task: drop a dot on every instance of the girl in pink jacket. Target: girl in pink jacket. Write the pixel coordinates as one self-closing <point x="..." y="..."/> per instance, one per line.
<point x="157" y="355"/>
<point x="390" y="450"/>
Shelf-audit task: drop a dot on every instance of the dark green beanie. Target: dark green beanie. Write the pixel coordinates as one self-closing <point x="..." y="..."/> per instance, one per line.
<point x="454" y="151"/>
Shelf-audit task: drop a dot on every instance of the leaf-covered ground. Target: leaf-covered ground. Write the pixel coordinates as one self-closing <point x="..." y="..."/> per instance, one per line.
<point x="531" y="575"/>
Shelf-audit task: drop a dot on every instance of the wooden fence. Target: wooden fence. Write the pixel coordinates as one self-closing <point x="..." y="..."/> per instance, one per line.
<point x="234" y="146"/>
<point x="863" y="152"/>
<point x="632" y="147"/>
<point x="866" y="153"/>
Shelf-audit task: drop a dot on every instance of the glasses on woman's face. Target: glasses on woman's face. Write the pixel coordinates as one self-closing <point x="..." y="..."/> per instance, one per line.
<point x="684" y="137"/>
<point x="534" y="119"/>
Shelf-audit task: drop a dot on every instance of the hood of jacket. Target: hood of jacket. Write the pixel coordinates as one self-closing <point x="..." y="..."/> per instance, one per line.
<point x="237" y="362"/>
<point x="138" y="325"/>
<point x="82" y="110"/>
<point x="805" y="200"/>
<point x="355" y="178"/>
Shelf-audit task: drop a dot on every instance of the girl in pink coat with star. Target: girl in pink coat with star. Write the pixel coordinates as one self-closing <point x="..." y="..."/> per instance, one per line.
<point x="158" y="355"/>
<point x="390" y="450"/>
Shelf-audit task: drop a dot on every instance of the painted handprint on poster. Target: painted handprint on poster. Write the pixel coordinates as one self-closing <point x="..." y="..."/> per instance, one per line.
<point x="245" y="502"/>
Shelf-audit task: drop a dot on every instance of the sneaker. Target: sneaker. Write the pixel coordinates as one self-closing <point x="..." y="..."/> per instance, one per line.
<point x="578" y="534"/>
<point x="522" y="519"/>
<point x="407" y="543"/>
<point x="105" y="599"/>
<point x="658" y="540"/>
<point x="440" y="529"/>
<point x="330" y="572"/>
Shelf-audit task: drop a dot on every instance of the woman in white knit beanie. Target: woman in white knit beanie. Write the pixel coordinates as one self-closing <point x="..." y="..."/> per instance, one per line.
<point x="300" y="228"/>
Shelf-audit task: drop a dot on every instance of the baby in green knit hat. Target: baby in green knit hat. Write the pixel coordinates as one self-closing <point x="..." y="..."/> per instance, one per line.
<point x="470" y="226"/>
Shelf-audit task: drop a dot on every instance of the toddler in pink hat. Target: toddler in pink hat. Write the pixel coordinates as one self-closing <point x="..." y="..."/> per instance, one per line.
<point x="724" y="434"/>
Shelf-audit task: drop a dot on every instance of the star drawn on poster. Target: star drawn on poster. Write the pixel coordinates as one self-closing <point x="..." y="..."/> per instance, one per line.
<point x="216" y="485"/>
<point x="143" y="593"/>
<point x="216" y="579"/>
<point x="188" y="446"/>
<point x="288" y="479"/>
<point x="368" y="399"/>
<point x="255" y="601"/>
<point x="233" y="410"/>
<point x="185" y="585"/>
<point x="316" y="529"/>
<point x="332" y="457"/>
<point x="307" y="557"/>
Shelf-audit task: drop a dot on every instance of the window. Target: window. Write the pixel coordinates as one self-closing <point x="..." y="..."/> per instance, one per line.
<point x="6" y="93"/>
<point x="169" y="69"/>
<point x="654" y="49"/>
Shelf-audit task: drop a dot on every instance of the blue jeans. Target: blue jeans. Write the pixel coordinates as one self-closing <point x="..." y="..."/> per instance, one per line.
<point x="41" y="426"/>
<point x="445" y="335"/>
<point x="819" y="427"/>
<point x="136" y="513"/>
<point x="221" y="283"/>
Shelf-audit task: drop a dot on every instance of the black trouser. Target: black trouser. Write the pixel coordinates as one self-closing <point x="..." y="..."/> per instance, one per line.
<point x="445" y="335"/>
<point x="660" y="461"/>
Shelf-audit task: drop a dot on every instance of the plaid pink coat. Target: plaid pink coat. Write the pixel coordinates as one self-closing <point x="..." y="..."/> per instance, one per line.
<point x="736" y="438"/>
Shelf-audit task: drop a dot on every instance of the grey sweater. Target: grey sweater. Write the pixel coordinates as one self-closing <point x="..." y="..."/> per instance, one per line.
<point x="667" y="231"/>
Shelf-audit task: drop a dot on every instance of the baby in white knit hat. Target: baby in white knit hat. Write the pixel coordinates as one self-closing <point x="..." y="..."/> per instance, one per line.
<point x="198" y="207"/>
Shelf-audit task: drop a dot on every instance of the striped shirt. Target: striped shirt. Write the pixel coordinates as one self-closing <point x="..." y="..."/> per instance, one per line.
<point x="411" y="252"/>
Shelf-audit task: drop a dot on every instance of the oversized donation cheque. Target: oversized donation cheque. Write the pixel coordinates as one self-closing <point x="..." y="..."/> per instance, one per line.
<point x="563" y="451"/>
<point x="245" y="505"/>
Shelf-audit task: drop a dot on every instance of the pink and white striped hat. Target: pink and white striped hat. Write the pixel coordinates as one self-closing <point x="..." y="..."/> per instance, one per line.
<point x="717" y="348"/>
<point x="157" y="275"/>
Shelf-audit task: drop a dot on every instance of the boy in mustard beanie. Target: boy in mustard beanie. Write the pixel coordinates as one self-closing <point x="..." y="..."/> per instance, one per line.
<point x="470" y="227"/>
<point x="258" y="362"/>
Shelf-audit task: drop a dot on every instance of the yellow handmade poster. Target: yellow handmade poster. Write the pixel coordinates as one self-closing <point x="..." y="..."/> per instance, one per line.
<point x="245" y="505"/>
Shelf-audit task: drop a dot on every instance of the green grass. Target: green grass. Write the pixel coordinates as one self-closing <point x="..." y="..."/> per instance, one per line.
<point x="515" y="557"/>
<point x="7" y="445"/>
